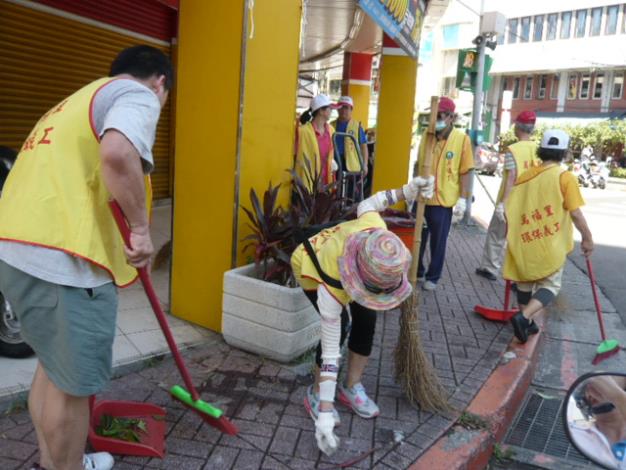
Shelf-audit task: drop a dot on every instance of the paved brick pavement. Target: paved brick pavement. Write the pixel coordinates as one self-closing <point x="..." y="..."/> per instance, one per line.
<point x="265" y="398"/>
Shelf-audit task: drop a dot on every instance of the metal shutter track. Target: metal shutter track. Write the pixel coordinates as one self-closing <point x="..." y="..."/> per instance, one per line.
<point x="44" y="58"/>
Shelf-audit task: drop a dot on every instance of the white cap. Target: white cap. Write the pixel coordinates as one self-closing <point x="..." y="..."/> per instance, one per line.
<point x="345" y="101"/>
<point x="320" y="101"/>
<point x="555" y="139"/>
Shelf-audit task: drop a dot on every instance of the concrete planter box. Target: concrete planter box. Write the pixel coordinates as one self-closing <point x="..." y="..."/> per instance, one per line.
<point x="267" y="319"/>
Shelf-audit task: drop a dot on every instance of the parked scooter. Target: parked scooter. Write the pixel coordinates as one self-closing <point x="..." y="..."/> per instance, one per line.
<point x="11" y="343"/>
<point x="599" y="175"/>
<point x="594" y="416"/>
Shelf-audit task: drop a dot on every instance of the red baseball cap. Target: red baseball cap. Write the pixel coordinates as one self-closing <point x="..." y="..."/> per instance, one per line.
<point x="446" y="105"/>
<point x="526" y="117"/>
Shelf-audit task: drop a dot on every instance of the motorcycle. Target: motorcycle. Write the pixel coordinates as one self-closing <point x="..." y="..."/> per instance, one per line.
<point x="599" y="175"/>
<point x="594" y="416"/>
<point x="581" y="171"/>
<point x="11" y="342"/>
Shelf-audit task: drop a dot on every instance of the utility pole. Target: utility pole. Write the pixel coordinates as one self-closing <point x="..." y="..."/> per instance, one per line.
<point x="491" y="24"/>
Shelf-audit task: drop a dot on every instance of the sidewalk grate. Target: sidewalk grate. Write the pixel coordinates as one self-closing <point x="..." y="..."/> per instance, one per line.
<point x="539" y="427"/>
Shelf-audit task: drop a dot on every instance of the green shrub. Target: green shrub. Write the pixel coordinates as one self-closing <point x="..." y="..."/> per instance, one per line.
<point x="618" y="172"/>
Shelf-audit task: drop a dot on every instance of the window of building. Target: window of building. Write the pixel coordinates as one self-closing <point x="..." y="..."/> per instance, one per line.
<point x="566" y="24"/>
<point x="596" y="21"/>
<point x="581" y="23"/>
<point x="598" y="84"/>
<point x="624" y="20"/>
<point x="611" y="19"/>
<point x="501" y="38"/>
<point x="451" y="36"/>
<point x="543" y="84"/>
<point x="618" y="86"/>
<point x="525" y="29"/>
<point x="572" y="86"/>
<point x="538" y="29"/>
<point x="516" y="86"/>
<point x="585" y="83"/>
<point x="551" y="32"/>
<point x="449" y="87"/>
<point x="554" y="88"/>
<point x="513" y="30"/>
<point x="528" y="89"/>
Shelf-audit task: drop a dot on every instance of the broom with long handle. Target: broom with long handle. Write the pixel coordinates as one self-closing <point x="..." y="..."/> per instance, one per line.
<point x="412" y="367"/>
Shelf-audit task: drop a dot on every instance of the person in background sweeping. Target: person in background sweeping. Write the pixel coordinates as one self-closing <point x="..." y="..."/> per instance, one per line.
<point x="362" y="265"/>
<point x="345" y="147"/>
<point x="452" y="160"/>
<point x="61" y="255"/>
<point x="315" y="141"/>
<point x="539" y="211"/>
<point x="520" y="157"/>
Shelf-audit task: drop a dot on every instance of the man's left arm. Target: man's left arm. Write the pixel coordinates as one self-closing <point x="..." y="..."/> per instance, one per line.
<point x="467" y="167"/>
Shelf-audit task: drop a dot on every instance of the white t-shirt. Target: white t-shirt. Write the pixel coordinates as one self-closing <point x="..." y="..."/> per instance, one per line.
<point x="132" y="109"/>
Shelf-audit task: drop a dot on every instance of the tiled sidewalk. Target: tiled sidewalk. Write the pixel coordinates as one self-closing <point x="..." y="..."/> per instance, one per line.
<point x="265" y="398"/>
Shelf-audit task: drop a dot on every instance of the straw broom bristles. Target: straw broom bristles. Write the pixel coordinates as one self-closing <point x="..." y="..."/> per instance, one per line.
<point x="412" y="368"/>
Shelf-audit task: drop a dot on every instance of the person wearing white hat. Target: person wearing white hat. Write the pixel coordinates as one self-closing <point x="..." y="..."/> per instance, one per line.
<point x="315" y="142"/>
<point x="346" y="148"/>
<point x="540" y="210"/>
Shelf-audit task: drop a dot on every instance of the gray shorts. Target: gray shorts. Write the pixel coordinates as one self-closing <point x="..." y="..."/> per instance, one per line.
<point x="71" y="329"/>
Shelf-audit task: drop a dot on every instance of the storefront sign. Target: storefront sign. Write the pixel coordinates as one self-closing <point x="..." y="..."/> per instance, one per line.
<point x="400" y="19"/>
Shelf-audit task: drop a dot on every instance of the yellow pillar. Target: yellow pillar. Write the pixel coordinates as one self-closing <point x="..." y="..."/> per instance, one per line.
<point x="396" y="106"/>
<point x="357" y="82"/>
<point x="269" y="103"/>
<point x="207" y="105"/>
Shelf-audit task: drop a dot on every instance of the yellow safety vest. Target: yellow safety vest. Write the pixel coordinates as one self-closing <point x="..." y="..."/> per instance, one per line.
<point x="328" y="246"/>
<point x="307" y="147"/>
<point x="55" y="196"/>
<point x="350" y="153"/>
<point x="525" y="156"/>
<point x="539" y="230"/>
<point x="446" y="168"/>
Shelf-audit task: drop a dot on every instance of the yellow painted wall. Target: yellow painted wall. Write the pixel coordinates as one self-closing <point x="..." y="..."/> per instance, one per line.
<point x="361" y="97"/>
<point x="208" y="97"/>
<point x="269" y="103"/>
<point x="395" y="121"/>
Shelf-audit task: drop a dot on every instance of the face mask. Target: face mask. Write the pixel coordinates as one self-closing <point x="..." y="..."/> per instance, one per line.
<point x="440" y="125"/>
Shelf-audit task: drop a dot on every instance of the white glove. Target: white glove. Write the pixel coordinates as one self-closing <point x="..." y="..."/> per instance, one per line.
<point x="499" y="212"/>
<point x="422" y="186"/>
<point x="459" y="210"/>
<point x="327" y="440"/>
<point x="333" y="165"/>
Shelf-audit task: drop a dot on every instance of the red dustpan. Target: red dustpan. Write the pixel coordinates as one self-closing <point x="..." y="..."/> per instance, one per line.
<point x="495" y="314"/>
<point x="151" y="443"/>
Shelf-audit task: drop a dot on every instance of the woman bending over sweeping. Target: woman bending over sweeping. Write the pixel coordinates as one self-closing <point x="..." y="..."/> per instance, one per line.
<point x="361" y="268"/>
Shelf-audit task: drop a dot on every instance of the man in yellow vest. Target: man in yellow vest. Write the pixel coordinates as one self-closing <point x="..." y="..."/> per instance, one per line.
<point x="520" y="157"/>
<point x="345" y="147"/>
<point x="539" y="211"/>
<point x="61" y="254"/>
<point x="452" y="162"/>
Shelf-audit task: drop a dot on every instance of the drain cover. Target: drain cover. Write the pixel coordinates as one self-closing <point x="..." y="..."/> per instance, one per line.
<point x="539" y="427"/>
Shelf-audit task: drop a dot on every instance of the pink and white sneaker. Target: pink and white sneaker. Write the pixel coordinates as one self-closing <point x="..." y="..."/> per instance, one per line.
<point x="357" y="399"/>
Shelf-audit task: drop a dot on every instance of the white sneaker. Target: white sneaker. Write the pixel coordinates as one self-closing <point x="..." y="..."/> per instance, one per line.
<point x="98" y="461"/>
<point x="429" y="285"/>
<point x="421" y="279"/>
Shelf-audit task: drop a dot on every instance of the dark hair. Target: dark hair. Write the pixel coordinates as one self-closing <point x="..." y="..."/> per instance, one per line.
<point x="554" y="155"/>
<point x="143" y="62"/>
<point x="306" y="116"/>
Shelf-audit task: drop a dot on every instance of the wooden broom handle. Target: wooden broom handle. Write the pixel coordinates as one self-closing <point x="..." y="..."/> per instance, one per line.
<point x="429" y="135"/>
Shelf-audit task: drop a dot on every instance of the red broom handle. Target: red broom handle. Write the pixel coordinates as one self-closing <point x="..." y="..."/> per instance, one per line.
<point x="144" y="275"/>
<point x="592" y="278"/>
<point x="507" y="295"/>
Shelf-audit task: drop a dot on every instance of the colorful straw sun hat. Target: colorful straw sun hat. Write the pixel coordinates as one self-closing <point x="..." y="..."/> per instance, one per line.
<point x="374" y="267"/>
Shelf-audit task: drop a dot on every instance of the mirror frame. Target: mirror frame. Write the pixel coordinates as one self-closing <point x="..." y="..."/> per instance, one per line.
<point x="566" y="400"/>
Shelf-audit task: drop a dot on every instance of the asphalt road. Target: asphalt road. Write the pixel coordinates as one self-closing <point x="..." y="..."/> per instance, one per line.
<point x="605" y="211"/>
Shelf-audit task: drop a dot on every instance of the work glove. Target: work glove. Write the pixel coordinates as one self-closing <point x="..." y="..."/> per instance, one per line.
<point x="333" y="165"/>
<point x="459" y="210"/>
<point x="422" y="186"/>
<point x="327" y="440"/>
<point x="499" y="212"/>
